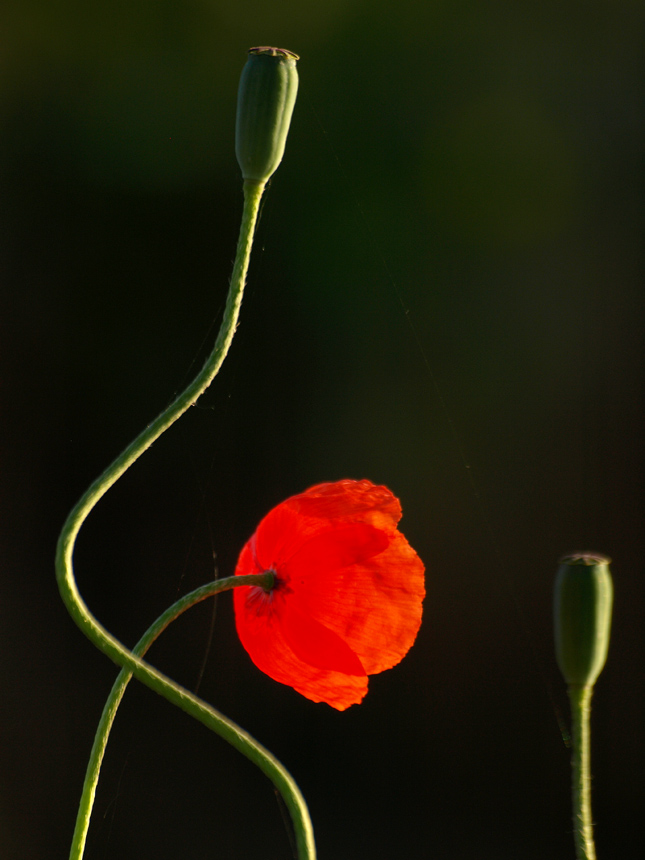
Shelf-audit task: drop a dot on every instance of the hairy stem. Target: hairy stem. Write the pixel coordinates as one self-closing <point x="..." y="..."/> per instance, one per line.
<point x="216" y="721"/>
<point x="580" y="698"/>
<point x="64" y="552"/>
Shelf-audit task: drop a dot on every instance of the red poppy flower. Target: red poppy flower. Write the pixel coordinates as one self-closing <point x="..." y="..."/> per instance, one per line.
<point x="347" y="596"/>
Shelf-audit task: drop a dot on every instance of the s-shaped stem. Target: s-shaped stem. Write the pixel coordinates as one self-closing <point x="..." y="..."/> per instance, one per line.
<point x="65" y="548"/>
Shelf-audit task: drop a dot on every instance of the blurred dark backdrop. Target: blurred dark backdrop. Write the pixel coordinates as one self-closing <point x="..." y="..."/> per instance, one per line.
<point x="445" y="297"/>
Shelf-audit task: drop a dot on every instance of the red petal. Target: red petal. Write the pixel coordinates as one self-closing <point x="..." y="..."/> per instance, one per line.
<point x="349" y="594"/>
<point x="351" y="500"/>
<point x="375" y="606"/>
<point x="293" y="522"/>
<point x="316" y="645"/>
<point x="264" y="639"/>
<point x="246" y="563"/>
<point x="337" y="547"/>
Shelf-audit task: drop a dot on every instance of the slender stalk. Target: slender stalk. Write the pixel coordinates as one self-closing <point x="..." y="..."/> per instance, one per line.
<point x="65" y="547"/>
<point x="217" y="721"/>
<point x="580" y="698"/>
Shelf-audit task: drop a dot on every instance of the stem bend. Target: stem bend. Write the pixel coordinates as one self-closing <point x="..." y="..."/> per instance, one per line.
<point x="131" y="662"/>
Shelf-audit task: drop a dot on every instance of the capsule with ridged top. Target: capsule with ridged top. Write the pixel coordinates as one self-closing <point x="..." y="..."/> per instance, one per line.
<point x="582" y="614"/>
<point x="265" y="101"/>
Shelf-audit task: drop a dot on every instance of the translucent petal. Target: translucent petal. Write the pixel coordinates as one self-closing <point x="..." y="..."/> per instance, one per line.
<point x="315" y="644"/>
<point x="263" y="637"/>
<point x="375" y="606"/>
<point x="289" y="525"/>
<point x="348" y="596"/>
<point x="350" y="500"/>
<point x="339" y="546"/>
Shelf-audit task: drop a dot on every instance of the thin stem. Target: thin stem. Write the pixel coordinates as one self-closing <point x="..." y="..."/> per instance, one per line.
<point x="580" y="698"/>
<point x="203" y="712"/>
<point x="217" y="722"/>
<point x="65" y="547"/>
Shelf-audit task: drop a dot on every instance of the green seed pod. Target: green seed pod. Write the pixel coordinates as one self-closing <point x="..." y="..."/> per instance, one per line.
<point x="265" y="100"/>
<point x="582" y="612"/>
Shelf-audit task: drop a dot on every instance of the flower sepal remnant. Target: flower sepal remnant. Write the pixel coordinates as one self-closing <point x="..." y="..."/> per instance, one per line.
<point x="265" y="102"/>
<point x="348" y="592"/>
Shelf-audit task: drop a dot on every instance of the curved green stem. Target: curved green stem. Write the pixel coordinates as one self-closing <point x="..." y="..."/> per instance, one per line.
<point x="65" y="547"/>
<point x="580" y="698"/>
<point x="215" y="721"/>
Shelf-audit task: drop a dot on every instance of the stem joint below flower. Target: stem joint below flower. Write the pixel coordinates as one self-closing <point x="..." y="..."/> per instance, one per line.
<point x="269" y="581"/>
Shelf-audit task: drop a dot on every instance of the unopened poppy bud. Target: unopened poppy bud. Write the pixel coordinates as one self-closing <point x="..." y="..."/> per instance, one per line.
<point x="265" y="100"/>
<point x="582" y="608"/>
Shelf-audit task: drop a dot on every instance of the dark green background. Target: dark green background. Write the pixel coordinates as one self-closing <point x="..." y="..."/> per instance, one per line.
<point x="445" y="296"/>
